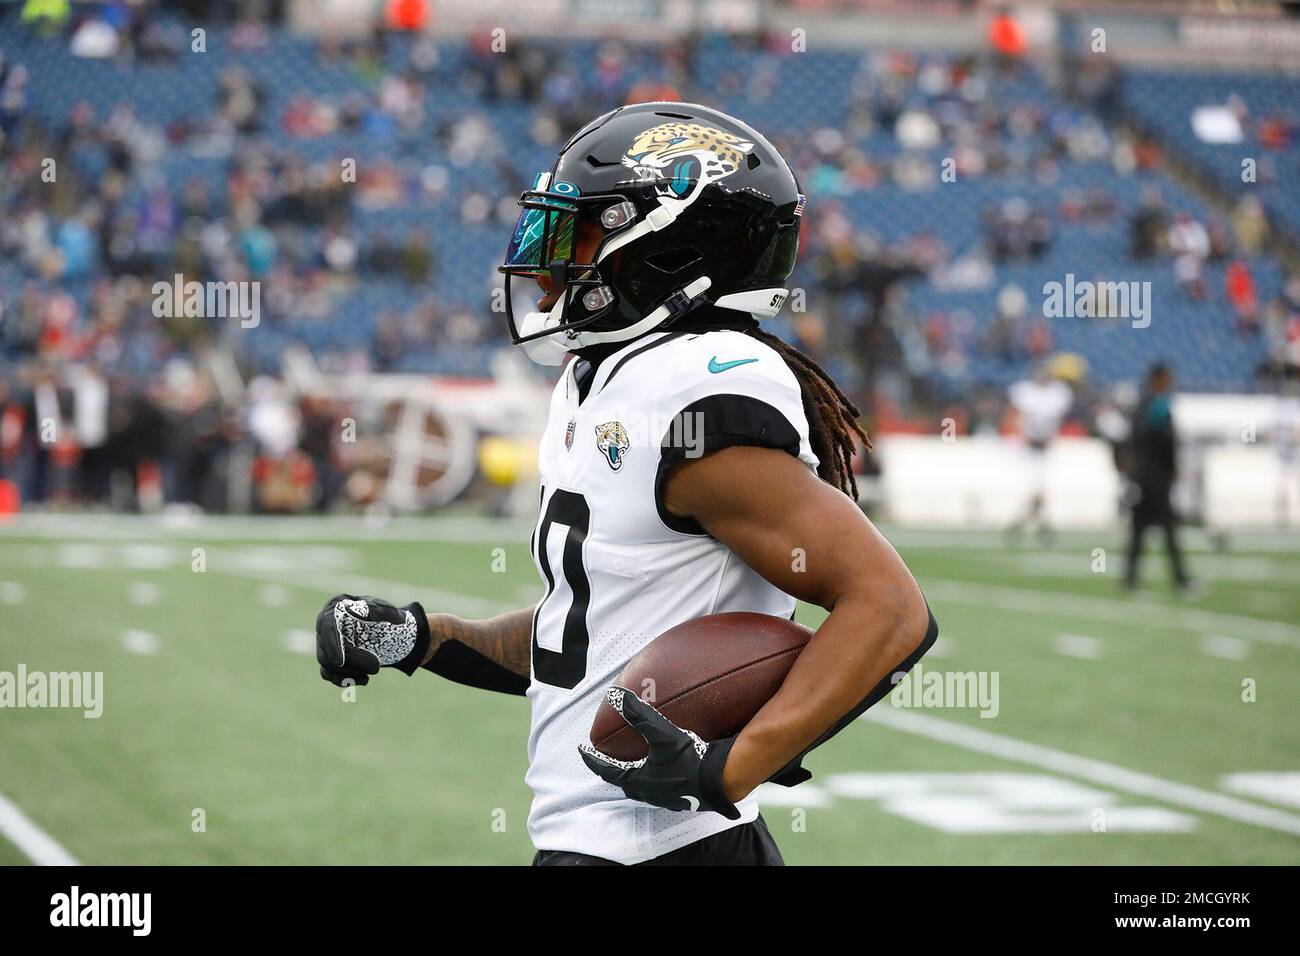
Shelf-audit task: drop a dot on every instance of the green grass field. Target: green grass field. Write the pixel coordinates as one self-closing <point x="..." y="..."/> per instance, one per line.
<point x="1119" y="719"/>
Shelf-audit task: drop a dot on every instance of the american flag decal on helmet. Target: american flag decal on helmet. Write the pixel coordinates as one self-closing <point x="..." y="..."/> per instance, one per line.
<point x="799" y="206"/>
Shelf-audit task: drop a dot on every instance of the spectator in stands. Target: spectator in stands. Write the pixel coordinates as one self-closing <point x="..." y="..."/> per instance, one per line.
<point x="1189" y="242"/>
<point x="1240" y="286"/>
<point x="13" y="96"/>
<point x="1274" y="131"/>
<point x="240" y="101"/>
<point x="1153" y="468"/>
<point x="1006" y="38"/>
<point x="46" y="17"/>
<point x="1038" y="338"/>
<point x="417" y="259"/>
<point x="1250" y="225"/>
<point x="155" y="41"/>
<point x="1016" y="229"/>
<point x="1148" y="230"/>
<point x="1221" y="241"/>
<point x="1004" y="337"/>
<point x="1094" y="79"/>
<point x="406" y="14"/>
<point x="1282" y="328"/>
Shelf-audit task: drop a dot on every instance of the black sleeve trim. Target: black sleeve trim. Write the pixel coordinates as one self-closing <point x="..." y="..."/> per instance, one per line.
<point x="461" y="663"/>
<point x="713" y="423"/>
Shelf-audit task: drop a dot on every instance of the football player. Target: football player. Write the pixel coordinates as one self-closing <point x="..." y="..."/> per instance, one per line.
<point x="692" y="464"/>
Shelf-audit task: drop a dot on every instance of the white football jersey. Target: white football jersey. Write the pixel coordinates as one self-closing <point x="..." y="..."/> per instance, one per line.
<point x="1042" y="407"/>
<point x="619" y="570"/>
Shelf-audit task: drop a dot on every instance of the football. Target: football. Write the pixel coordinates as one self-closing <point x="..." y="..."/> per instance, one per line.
<point x="710" y="675"/>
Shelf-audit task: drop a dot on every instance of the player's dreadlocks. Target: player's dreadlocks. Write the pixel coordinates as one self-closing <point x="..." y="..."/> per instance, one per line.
<point x="833" y="428"/>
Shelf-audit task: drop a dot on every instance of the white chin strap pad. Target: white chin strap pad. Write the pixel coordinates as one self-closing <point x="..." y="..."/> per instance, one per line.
<point x="549" y="349"/>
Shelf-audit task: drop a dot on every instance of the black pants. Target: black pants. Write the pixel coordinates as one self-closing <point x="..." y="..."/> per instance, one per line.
<point x="1153" y="510"/>
<point x="749" y="844"/>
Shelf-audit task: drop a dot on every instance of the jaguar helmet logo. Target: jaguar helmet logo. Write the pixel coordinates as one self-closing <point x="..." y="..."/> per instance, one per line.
<point x="613" y="443"/>
<point x="685" y="157"/>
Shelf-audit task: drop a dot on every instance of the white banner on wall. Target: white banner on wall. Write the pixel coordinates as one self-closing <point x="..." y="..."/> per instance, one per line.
<point x="989" y="481"/>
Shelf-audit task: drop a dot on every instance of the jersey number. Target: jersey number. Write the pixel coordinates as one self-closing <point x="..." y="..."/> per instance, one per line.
<point x="566" y="667"/>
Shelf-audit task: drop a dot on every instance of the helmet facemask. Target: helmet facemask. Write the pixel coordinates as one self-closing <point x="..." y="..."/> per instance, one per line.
<point x="545" y="243"/>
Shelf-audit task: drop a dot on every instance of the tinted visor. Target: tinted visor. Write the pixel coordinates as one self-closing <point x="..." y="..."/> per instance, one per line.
<point x="543" y="235"/>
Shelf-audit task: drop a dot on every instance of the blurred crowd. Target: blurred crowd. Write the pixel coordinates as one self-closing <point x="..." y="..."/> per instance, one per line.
<point x="74" y="435"/>
<point x="138" y="410"/>
<point x="928" y="101"/>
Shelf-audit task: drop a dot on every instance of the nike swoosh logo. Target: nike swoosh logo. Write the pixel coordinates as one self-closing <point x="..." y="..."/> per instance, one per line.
<point x="695" y="801"/>
<point x="715" y="366"/>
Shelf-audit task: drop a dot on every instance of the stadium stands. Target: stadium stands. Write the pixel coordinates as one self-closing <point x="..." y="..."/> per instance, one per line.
<point x="467" y="145"/>
<point x="1265" y="109"/>
<point x="942" y="187"/>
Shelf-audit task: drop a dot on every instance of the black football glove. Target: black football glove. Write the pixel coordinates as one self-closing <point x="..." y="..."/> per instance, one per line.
<point x="355" y="636"/>
<point x="682" y="772"/>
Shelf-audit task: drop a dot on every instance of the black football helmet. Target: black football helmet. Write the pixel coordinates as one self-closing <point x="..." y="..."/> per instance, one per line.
<point x="694" y="208"/>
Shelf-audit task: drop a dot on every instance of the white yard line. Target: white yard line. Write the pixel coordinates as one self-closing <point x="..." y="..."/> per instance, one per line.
<point x="1271" y="785"/>
<point x="1078" y="645"/>
<point x="33" y="842"/>
<point x="143" y="593"/>
<point x="299" y="642"/>
<point x="942" y="647"/>
<point x="145" y="643"/>
<point x="273" y="595"/>
<point x="469" y="529"/>
<point x="1112" y="610"/>
<point x="1227" y="648"/>
<point x="1008" y="748"/>
<point x="332" y="582"/>
<point x="1163" y="617"/>
<point x="474" y="528"/>
<point x="1283" y="542"/>
<point x="1084" y="768"/>
<point x="466" y="529"/>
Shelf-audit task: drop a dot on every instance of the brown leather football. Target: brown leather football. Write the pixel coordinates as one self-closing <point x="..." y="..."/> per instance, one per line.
<point x="710" y="675"/>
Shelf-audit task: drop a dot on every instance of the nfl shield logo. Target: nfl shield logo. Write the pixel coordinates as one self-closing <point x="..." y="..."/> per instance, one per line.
<point x="568" y="433"/>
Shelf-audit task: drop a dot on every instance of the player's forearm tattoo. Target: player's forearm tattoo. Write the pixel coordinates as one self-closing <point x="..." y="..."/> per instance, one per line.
<point x="505" y="640"/>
